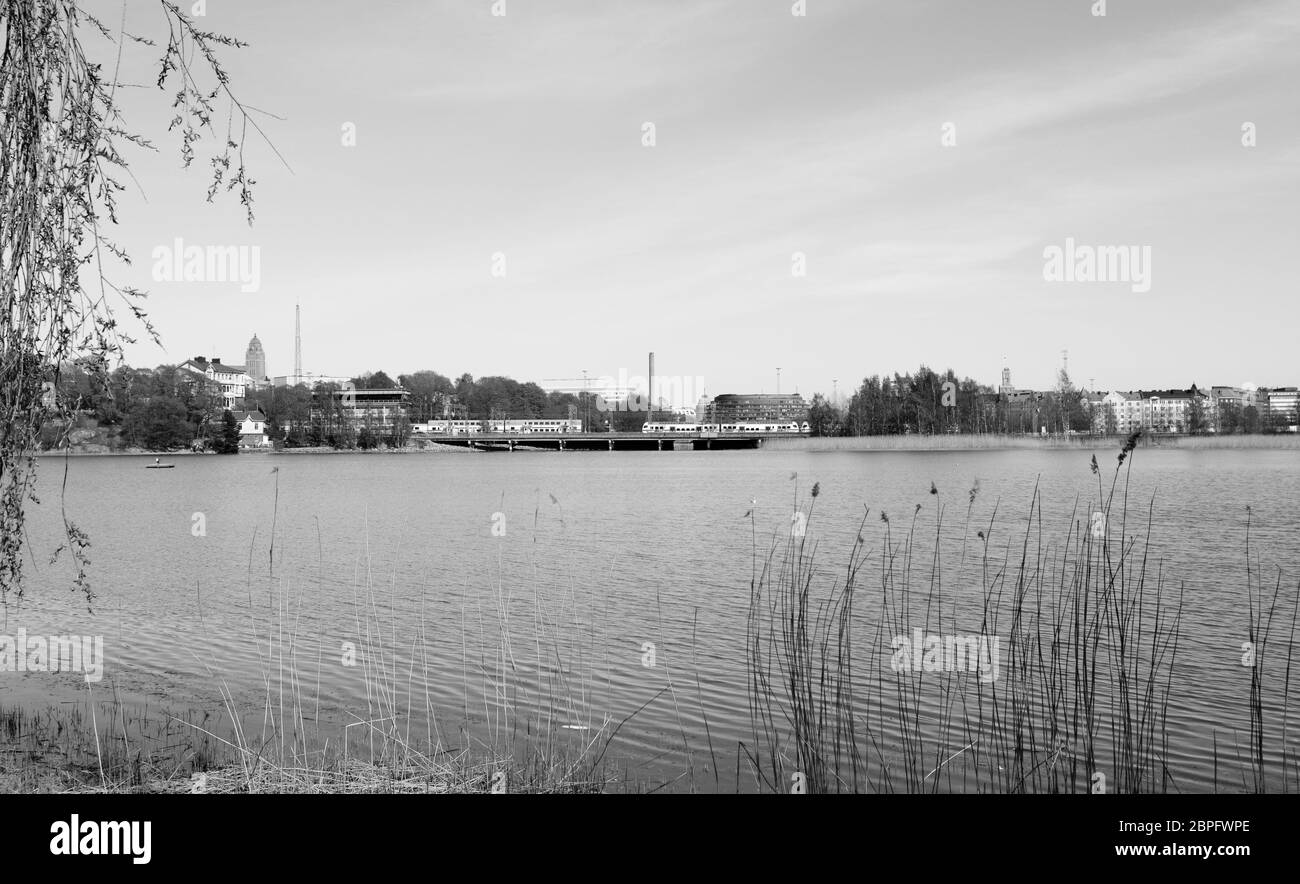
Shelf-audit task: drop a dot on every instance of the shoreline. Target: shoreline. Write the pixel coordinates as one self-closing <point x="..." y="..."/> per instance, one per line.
<point x="956" y="442"/>
<point x="966" y="442"/>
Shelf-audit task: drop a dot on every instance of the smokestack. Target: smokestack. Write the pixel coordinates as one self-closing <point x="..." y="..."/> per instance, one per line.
<point x="651" y="409"/>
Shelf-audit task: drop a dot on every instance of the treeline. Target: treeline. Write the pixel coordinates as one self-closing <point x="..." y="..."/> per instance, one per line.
<point x="162" y="409"/>
<point x="928" y="402"/>
<point x="437" y="397"/>
<point x="168" y="408"/>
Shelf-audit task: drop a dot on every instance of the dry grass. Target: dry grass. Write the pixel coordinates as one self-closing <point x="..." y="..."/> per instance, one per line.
<point x="399" y="741"/>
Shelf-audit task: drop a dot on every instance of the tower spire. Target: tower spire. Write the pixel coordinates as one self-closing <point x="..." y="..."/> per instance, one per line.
<point x="297" y="344"/>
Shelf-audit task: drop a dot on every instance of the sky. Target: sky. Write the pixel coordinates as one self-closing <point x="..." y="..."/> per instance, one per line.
<point x="856" y="190"/>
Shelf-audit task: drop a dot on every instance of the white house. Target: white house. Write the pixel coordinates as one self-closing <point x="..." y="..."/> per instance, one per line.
<point x="228" y="381"/>
<point x="252" y="429"/>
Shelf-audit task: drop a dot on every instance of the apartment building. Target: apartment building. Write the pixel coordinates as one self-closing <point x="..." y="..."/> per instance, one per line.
<point x="1284" y="408"/>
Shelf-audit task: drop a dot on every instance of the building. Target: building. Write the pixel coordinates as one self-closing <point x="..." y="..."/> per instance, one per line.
<point x="230" y="382"/>
<point x="1229" y="405"/>
<point x="1006" y="389"/>
<point x="1284" y="408"/>
<point x="1094" y="406"/>
<point x="732" y="408"/>
<point x="1123" y="410"/>
<point x="311" y="380"/>
<point x="1174" y="411"/>
<point x="255" y="364"/>
<point x="252" y="429"/>
<point x="381" y="411"/>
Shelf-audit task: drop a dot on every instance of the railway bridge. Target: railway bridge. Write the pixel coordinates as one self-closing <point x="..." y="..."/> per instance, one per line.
<point x="602" y="441"/>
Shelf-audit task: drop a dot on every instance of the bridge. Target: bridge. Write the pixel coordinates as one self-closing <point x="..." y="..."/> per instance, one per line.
<point x="602" y="441"/>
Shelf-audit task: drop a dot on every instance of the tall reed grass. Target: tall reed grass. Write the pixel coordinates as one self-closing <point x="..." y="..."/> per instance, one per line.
<point x="998" y="441"/>
<point x="1090" y="631"/>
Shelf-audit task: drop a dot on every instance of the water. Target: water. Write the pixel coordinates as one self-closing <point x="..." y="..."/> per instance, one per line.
<point x="603" y="554"/>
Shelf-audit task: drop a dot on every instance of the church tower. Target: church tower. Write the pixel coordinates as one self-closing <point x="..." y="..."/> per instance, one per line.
<point x="255" y="362"/>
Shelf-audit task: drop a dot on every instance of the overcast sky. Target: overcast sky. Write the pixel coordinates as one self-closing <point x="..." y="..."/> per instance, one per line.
<point x="774" y="135"/>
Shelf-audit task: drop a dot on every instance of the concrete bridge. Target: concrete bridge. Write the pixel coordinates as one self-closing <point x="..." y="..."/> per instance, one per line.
<point x="602" y="441"/>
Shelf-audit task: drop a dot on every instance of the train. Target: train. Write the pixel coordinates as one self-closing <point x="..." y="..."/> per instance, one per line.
<point x="746" y="427"/>
<point x="559" y="426"/>
<point x="475" y="428"/>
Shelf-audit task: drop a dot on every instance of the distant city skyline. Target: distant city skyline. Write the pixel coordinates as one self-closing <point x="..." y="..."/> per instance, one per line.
<point x="841" y="395"/>
<point x="853" y="192"/>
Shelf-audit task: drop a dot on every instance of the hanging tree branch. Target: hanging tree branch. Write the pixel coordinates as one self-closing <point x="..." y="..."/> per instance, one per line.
<point x="61" y="137"/>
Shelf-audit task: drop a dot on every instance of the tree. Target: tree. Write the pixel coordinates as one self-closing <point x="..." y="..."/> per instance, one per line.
<point x="1066" y="410"/>
<point x="161" y="424"/>
<point x="227" y="441"/>
<point x="1229" y="416"/>
<point x="823" y="417"/>
<point x="430" y="394"/>
<point x="61" y="163"/>
<point x="1197" y="423"/>
<point x="377" y="380"/>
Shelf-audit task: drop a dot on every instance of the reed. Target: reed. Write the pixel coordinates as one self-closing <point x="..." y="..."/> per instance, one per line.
<point x="535" y="730"/>
<point x="1089" y="629"/>
<point x="997" y="441"/>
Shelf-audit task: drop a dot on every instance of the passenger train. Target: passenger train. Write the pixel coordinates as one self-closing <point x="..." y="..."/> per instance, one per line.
<point x="748" y="427"/>
<point x="474" y="428"/>
<point x="554" y="426"/>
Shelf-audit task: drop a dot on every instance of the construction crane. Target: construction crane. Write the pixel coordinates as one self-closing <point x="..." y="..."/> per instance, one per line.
<point x="550" y="384"/>
<point x="612" y="396"/>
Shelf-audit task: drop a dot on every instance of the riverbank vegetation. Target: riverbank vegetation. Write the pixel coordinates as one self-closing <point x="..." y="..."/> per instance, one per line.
<point x="996" y="441"/>
<point x="1088" y="627"/>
